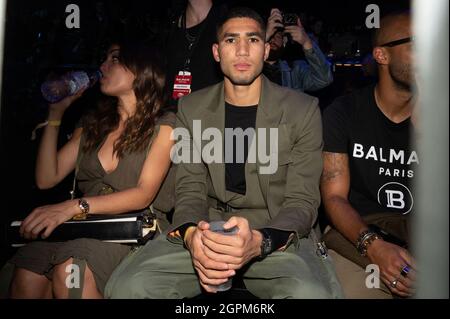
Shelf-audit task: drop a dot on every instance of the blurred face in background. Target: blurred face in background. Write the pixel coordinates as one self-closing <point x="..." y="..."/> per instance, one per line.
<point x="276" y="46"/>
<point x="117" y="80"/>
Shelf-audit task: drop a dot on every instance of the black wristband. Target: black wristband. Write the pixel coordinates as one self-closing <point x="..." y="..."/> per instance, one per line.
<point x="183" y="228"/>
<point x="279" y="237"/>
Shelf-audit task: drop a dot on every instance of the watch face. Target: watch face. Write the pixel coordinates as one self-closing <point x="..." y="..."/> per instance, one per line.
<point x="267" y="246"/>
<point x="84" y="206"/>
<point x="266" y="243"/>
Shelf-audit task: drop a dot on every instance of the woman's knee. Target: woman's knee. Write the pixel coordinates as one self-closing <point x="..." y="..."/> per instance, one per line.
<point x="27" y="284"/>
<point x="67" y="275"/>
<point x="63" y="278"/>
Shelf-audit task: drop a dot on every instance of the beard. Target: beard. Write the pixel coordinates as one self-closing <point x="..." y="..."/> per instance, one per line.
<point x="402" y="76"/>
<point x="243" y="80"/>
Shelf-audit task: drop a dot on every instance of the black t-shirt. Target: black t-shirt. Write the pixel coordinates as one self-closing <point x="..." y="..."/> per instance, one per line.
<point x="382" y="162"/>
<point x="204" y="69"/>
<point x="244" y="118"/>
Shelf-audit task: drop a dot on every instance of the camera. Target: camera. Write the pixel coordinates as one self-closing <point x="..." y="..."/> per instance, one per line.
<point x="289" y="19"/>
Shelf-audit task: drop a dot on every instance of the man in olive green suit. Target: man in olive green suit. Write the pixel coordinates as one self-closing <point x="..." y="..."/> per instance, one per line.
<point x="271" y="199"/>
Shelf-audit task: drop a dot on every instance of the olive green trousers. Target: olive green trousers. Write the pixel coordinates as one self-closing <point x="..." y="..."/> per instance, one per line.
<point x="163" y="269"/>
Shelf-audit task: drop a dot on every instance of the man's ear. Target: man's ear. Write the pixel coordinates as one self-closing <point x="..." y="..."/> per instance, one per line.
<point x="380" y="55"/>
<point x="215" y="52"/>
<point x="266" y="50"/>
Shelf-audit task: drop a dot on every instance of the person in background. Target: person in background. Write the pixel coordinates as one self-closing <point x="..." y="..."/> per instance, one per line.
<point x="312" y="74"/>
<point x="188" y="49"/>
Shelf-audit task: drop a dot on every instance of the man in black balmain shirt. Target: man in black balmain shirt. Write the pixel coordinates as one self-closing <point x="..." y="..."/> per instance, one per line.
<point x="369" y="166"/>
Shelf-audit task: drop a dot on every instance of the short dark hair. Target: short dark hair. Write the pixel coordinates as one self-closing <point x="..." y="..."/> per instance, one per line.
<point x="241" y="12"/>
<point x="392" y="15"/>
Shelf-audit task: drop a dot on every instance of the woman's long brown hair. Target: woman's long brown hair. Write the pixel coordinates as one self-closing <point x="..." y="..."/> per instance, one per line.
<point x="145" y="63"/>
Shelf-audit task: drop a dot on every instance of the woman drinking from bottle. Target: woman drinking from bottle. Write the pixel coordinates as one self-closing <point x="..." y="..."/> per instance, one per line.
<point x="125" y="155"/>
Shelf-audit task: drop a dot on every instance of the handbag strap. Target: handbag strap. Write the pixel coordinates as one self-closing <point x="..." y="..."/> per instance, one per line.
<point x="77" y="166"/>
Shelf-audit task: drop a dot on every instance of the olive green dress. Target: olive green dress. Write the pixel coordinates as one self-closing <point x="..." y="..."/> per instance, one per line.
<point x="101" y="257"/>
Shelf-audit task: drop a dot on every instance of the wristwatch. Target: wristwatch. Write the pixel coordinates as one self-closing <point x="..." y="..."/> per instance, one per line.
<point x="84" y="207"/>
<point x="266" y="244"/>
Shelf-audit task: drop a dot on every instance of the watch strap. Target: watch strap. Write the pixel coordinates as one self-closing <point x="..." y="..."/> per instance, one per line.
<point x="84" y="207"/>
<point x="266" y="244"/>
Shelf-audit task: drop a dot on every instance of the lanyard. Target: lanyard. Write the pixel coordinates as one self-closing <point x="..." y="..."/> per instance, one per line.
<point x="193" y="45"/>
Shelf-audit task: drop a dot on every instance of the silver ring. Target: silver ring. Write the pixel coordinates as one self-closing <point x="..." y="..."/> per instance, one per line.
<point x="394" y="283"/>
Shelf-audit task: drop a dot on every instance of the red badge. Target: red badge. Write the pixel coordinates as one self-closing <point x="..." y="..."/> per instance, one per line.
<point x="182" y="84"/>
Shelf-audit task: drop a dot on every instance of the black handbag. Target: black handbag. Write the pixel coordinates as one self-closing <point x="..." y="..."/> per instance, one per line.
<point x="129" y="228"/>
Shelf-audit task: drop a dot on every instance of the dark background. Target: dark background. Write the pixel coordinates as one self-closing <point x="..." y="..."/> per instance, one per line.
<point x="37" y="43"/>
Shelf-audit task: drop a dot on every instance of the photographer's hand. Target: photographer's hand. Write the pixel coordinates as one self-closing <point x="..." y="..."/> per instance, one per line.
<point x="299" y="35"/>
<point x="274" y="23"/>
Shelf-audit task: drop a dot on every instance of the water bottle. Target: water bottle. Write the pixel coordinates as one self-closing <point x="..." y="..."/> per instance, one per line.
<point x="217" y="227"/>
<point x="69" y="84"/>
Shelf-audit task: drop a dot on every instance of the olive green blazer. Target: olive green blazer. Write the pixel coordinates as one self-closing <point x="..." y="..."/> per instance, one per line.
<point x="292" y="193"/>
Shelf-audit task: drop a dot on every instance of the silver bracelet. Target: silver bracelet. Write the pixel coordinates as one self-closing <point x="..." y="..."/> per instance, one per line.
<point x="366" y="238"/>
